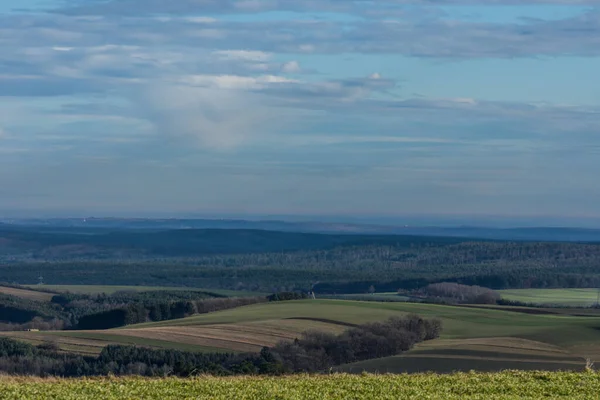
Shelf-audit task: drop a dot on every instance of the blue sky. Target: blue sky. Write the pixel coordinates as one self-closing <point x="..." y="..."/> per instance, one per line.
<point x="289" y="107"/>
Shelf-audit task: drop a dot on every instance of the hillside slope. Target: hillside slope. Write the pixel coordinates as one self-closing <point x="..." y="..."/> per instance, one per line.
<point x="470" y="336"/>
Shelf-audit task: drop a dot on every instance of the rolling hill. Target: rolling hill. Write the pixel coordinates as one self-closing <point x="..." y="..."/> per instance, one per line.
<point x="471" y="336"/>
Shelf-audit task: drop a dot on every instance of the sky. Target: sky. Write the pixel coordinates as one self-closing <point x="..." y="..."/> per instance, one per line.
<point x="300" y="107"/>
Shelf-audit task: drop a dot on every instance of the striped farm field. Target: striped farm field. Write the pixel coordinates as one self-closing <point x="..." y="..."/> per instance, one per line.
<point x="487" y="354"/>
<point x="26" y="294"/>
<point x="492" y="386"/>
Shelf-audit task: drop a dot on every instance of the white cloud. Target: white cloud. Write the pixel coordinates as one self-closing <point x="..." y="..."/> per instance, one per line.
<point x="216" y="119"/>
<point x="135" y="7"/>
<point x="256" y="40"/>
<point x="201" y="20"/>
<point x="464" y="100"/>
<point x="234" y="81"/>
<point x="243" y="55"/>
<point x="291" y="67"/>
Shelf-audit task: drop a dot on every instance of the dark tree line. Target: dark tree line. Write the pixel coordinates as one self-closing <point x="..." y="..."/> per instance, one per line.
<point x="317" y="351"/>
<point x="165" y="310"/>
<point x="89" y="312"/>
<point x="78" y="311"/>
<point x="161" y="311"/>
<point x="313" y="352"/>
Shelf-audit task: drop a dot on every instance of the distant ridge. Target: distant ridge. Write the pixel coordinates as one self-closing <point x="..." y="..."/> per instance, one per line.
<point x="561" y="234"/>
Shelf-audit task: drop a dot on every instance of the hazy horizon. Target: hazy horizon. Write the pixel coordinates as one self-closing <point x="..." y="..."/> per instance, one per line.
<point x="468" y="110"/>
<point x="431" y="220"/>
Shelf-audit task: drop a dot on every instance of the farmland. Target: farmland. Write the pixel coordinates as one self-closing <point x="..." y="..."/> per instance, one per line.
<point x="487" y="354"/>
<point x="130" y="267"/>
<point x="470" y="336"/>
<point x="564" y="297"/>
<point x="459" y="322"/>
<point x="505" y="385"/>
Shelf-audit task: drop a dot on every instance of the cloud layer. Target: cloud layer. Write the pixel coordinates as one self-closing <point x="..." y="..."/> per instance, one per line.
<point x="294" y="106"/>
<point x="135" y="7"/>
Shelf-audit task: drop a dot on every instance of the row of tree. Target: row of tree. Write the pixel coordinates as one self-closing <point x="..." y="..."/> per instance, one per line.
<point x="317" y="351"/>
<point x="80" y="311"/>
<point x="161" y="311"/>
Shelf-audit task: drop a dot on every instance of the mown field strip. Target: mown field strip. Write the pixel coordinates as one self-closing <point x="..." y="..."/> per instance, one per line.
<point x="566" y="297"/>
<point x="505" y="385"/>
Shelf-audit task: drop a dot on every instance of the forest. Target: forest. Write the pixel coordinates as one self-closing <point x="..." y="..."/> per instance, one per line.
<point x="283" y="261"/>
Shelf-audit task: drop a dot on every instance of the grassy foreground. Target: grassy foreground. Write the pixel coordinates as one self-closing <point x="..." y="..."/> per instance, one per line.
<point x="505" y="385"/>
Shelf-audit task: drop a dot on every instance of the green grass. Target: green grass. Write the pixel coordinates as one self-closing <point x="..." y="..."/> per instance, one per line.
<point x="108" y="289"/>
<point x="490" y="354"/>
<point x="567" y="297"/>
<point x="505" y="385"/>
<point x="445" y="364"/>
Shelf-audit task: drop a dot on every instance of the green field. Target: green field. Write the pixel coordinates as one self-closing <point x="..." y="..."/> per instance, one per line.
<point x="566" y="297"/>
<point x="107" y="289"/>
<point x="473" y="338"/>
<point x="459" y="322"/>
<point x="486" y="354"/>
<point x="505" y="385"/>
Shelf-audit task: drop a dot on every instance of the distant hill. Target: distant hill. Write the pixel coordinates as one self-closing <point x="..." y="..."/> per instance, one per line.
<point x="59" y="242"/>
<point x="514" y="234"/>
<point x="95" y="225"/>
